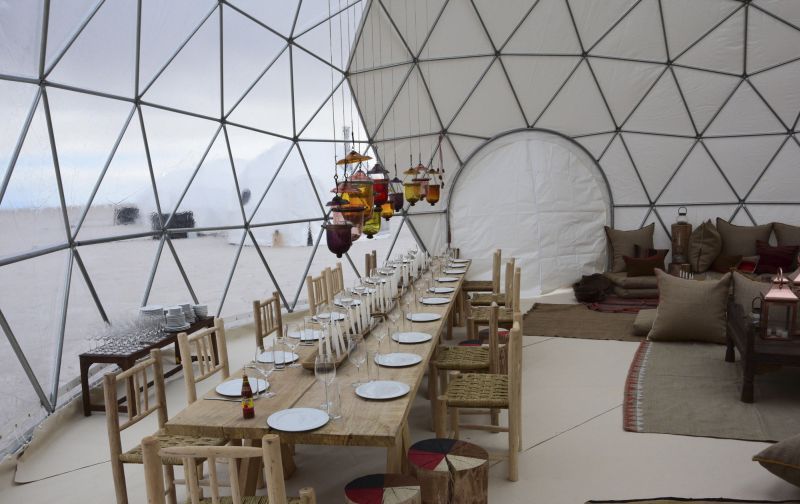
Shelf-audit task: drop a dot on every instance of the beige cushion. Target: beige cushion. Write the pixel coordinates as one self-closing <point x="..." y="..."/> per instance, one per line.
<point x="786" y="234"/>
<point x="704" y="247"/>
<point x="644" y="322"/>
<point x="741" y="240"/>
<point x="635" y="293"/>
<point x="623" y="243"/>
<point x="690" y="310"/>
<point x="626" y="282"/>
<point x="746" y="289"/>
<point x="782" y="459"/>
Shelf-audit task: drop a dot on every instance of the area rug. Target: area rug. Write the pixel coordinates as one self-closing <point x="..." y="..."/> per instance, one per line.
<point x="689" y="389"/>
<point x="616" y="304"/>
<point x="672" y="500"/>
<point x="578" y="321"/>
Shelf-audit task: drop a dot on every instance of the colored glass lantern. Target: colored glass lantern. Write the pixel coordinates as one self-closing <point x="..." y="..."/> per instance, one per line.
<point x="372" y="226"/>
<point x="387" y="209"/>
<point x="350" y="214"/>
<point x="433" y="193"/>
<point x="361" y="192"/>
<point x="779" y="310"/>
<point x="380" y="184"/>
<point x="423" y="180"/>
<point x="411" y="187"/>
<point x="397" y="201"/>
<point x="339" y="237"/>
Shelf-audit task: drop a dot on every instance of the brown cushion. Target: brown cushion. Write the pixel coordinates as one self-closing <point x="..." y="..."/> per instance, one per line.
<point x="627" y="282"/>
<point x="786" y="234"/>
<point x="782" y="459"/>
<point x="746" y="289"/>
<point x="644" y="266"/>
<point x="622" y="243"/>
<point x="724" y="263"/>
<point x="644" y="322"/>
<point x="772" y="258"/>
<point x="741" y="240"/>
<point x="705" y="244"/>
<point x="635" y="293"/>
<point x="690" y="310"/>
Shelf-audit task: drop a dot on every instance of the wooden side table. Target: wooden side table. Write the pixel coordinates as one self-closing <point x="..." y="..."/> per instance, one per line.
<point x="450" y="471"/>
<point x="127" y="358"/>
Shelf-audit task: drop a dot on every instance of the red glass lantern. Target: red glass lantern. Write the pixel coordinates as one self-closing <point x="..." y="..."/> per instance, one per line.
<point x="380" y="184"/>
<point x="779" y="310"/>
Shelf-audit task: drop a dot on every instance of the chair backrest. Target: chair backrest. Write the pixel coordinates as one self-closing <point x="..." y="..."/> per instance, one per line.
<point x="508" y="288"/>
<point x="497" y="259"/>
<point x="337" y="278"/>
<point x="201" y="345"/>
<point x="270" y="452"/>
<point x="267" y="317"/>
<point x="370" y="262"/>
<point x="494" y="339"/>
<point x="515" y="359"/>
<point x="512" y="302"/>
<point x="145" y="377"/>
<point x="317" y="292"/>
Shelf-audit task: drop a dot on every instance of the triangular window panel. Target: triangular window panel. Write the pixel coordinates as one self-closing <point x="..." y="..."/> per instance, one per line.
<point x="745" y="113"/>
<point x="625" y="185"/>
<point x="578" y="109"/>
<point x="774" y="213"/>
<point x="375" y="91"/>
<point x="165" y="26"/>
<point x="788" y="11"/>
<point x="773" y="185"/>
<point x="414" y="22"/>
<point x="379" y="43"/>
<point x="660" y="237"/>
<point x="31" y="201"/>
<point x="639" y="35"/>
<point x="86" y="128"/>
<point x="491" y="108"/>
<point x="501" y="18"/>
<point x="169" y="288"/>
<point x="110" y="38"/>
<point x="464" y="145"/>
<point x="657" y="157"/>
<point x="20" y="30"/>
<point x="624" y="83"/>
<point x="721" y="50"/>
<point x="779" y="88"/>
<point x="769" y="41"/>
<point x="314" y="12"/>
<point x="191" y="81"/>
<point x="63" y="21"/>
<point x="321" y="157"/>
<point x="313" y="82"/>
<point x="662" y="111"/>
<point x="704" y="92"/>
<point x="594" y="19"/>
<point x="14" y="108"/>
<point x="697" y="181"/>
<point x="412" y="112"/>
<point x="279" y="19"/>
<point x="248" y="49"/>
<point x="124" y="202"/>
<point x="450" y="82"/>
<point x="548" y="29"/>
<point x="268" y="105"/>
<point x="596" y="144"/>
<point x="292" y="195"/>
<point x="22" y="410"/>
<point x="339" y="118"/>
<point x="250" y="278"/>
<point x="459" y="17"/>
<point x="537" y="79"/>
<point x="742" y="159"/>
<point x="686" y="21"/>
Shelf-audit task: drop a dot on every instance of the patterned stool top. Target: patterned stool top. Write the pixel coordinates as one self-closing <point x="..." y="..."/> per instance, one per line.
<point x="382" y="489"/>
<point x="450" y="455"/>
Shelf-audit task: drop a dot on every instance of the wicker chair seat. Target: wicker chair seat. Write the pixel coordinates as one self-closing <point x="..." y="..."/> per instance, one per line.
<point x="253" y="499"/>
<point x="134" y="455"/>
<point x="486" y="299"/>
<point x="463" y="358"/>
<point x="473" y="390"/>
<point x="480" y="314"/>
<point x="477" y="286"/>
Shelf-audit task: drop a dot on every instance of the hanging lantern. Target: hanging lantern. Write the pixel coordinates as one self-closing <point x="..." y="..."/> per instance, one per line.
<point x="411" y="186"/>
<point x="396" y="192"/>
<point x="422" y="178"/>
<point x="387" y="209"/>
<point x="397" y="201"/>
<point x="339" y="237"/>
<point x="380" y="183"/>
<point x="433" y="191"/>
<point x="349" y="214"/>
<point x="361" y="192"/>
<point x="779" y="310"/>
<point x="372" y="226"/>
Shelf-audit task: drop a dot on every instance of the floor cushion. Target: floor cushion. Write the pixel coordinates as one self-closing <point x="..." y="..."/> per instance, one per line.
<point x="622" y="243"/>
<point x="644" y="322"/>
<point x="741" y="240"/>
<point x="635" y="293"/>
<point x="629" y="282"/>
<point x="745" y="289"/>
<point x="782" y="459"/>
<point x="786" y="234"/>
<point x="705" y="244"/>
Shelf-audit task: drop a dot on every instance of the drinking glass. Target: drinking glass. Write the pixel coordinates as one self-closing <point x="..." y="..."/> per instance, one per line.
<point x="291" y="343"/>
<point x="263" y="369"/>
<point x="357" y="354"/>
<point x="325" y="372"/>
<point x="309" y="327"/>
<point x="278" y="355"/>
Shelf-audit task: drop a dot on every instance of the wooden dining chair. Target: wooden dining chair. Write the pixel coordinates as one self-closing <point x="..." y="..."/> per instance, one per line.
<point x="370" y="262"/>
<point x="486" y="286"/>
<point x="267" y="317"/>
<point x="481" y="298"/>
<point x="337" y="276"/>
<point x="478" y="316"/>
<point x="141" y="381"/>
<point x="270" y="452"/>
<point x="317" y="288"/>
<point x="209" y="348"/>
<point x="488" y="390"/>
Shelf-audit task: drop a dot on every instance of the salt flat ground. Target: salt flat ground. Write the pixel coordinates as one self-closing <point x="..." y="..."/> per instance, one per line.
<point x="574" y="445"/>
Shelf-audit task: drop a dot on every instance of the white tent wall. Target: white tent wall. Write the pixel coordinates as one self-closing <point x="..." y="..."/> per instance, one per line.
<point x="680" y="102"/>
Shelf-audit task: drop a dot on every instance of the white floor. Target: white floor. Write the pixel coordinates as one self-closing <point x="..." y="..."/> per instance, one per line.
<point x="574" y="445"/>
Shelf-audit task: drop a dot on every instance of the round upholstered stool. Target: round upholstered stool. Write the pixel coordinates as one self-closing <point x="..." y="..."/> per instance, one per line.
<point x="383" y="489"/>
<point x="502" y="335"/>
<point x="450" y="471"/>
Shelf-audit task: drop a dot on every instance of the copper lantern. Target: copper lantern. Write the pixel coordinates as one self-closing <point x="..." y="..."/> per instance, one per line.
<point x="779" y="310"/>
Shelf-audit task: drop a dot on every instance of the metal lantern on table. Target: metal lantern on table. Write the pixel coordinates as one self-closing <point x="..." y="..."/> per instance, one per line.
<point x="779" y="310"/>
<point x="681" y="232"/>
<point x="411" y="186"/>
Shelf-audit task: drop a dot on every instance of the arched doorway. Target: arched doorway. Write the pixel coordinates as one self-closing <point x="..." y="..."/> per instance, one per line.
<point x="540" y="197"/>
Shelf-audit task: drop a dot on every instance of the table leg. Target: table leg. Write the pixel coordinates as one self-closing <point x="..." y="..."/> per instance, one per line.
<point x="748" y="379"/>
<point x="249" y="471"/>
<point x="287" y="457"/>
<point x="394" y="455"/>
<point x="130" y="399"/>
<point x="87" y="405"/>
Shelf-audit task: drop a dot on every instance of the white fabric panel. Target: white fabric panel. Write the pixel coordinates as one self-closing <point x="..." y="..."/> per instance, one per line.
<point x="638" y="36"/>
<point x="779" y="182"/>
<point x="662" y="110"/>
<point x="550" y="217"/>
<point x="548" y="29"/>
<point x="698" y="214"/>
<point x="459" y="17"/>
<point x="769" y="41"/>
<point x="412" y="112"/>
<point x="593" y="19"/>
<point x="745" y="113"/>
<point x="698" y="181"/>
<point x="788" y="11"/>
<point x="464" y="145"/>
<point x="378" y="36"/>
<point x="656" y="157"/>
<point x="432" y="230"/>
<point x="624" y="83"/>
<point x="742" y="219"/>
<point x="536" y="79"/>
<point x="629" y="217"/>
<point x="501" y="18"/>
<point x="374" y="92"/>
<point x="622" y="178"/>
<point x="688" y="20"/>
<point x="779" y="88"/>
<point x="596" y="144"/>
<point x="413" y="19"/>
<point x="578" y="109"/>
<point x="704" y="92"/>
<point x="742" y="159"/>
<point x="721" y="49"/>
<point x="451" y="81"/>
<point x="790" y="214"/>
<point x="661" y="239"/>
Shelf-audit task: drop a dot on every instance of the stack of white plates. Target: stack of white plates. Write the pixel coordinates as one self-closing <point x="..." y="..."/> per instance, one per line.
<point x="201" y="310"/>
<point x="152" y="311"/>
<point x="176" y="321"/>
<point x="188" y="312"/>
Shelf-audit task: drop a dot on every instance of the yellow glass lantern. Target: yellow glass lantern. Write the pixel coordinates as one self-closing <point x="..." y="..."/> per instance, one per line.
<point x="411" y="186"/>
<point x="362" y="192"/>
<point x="779" y="310"/>
<point x="372" y="226"/>
<point x="387" y="210"/>
<point x="433" y="194"/>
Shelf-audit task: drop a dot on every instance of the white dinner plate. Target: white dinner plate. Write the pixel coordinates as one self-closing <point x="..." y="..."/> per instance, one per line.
<point x="423" y="317"/>
<point x="335" y="316"/>
<point x="367" y="290"/>
<point x="397" y="359"/>
<point x="411" y="338"/>
<point x="457" y="265"/>
<point x="306" y="335"/>
<point x="298" y="419"/>
<point x="435" y="300"/>
<point x="177" y="328"/>
<point x="373" y="282"/>
<point x="288" y="357"/>
<point x="447" y="279"/>
<point x="233" y="388"/>
<point x="454" y="272"/>
<point x="382" y="389"/>
<point x="459" y="261"/>
<point x="441" y="290"/>
<point x="354" y="302"/>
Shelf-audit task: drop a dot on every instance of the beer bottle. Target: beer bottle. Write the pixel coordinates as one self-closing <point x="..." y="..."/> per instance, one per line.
<point x="248" y="406"/>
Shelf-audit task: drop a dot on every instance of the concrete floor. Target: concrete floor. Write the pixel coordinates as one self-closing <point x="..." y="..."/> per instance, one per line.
<point x="574" y="445"/>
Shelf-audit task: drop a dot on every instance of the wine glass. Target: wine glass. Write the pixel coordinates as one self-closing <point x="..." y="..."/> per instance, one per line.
<point x="261" y="368"/>
<point x="357" y="354"/>
<point x="325" y="372"/>
<point x="290" y="342"/>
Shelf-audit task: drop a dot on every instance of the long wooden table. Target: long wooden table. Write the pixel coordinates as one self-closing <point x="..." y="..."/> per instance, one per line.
<point x="364" y="423"/>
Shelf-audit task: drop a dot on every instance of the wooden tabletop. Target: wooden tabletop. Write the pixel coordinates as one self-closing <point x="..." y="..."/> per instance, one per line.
<point x="363" y="422"/>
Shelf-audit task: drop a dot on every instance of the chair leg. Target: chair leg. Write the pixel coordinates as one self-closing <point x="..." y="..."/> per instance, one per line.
<point x="120" y="487"/>
<point x="454" y="421"/>
<point x="441" y="417"/>
<point x="513" y="444"/>
<point x="433" y="394"/>
<point x="169" y="481"/>
<point x="495" y="414"/>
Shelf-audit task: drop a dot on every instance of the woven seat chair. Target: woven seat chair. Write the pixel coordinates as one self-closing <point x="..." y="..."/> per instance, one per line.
<point x="486" y="286"/>
<point x="478" y="316"/>
<point x="488" y="390"/>
<point x="495" y="295"/>
<point x="269" y="452"/>
<point x="318" y="292"/>
<point x="267" y="318"/>
<point x="140" y="380"/>
<point x="200" y="346"/>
